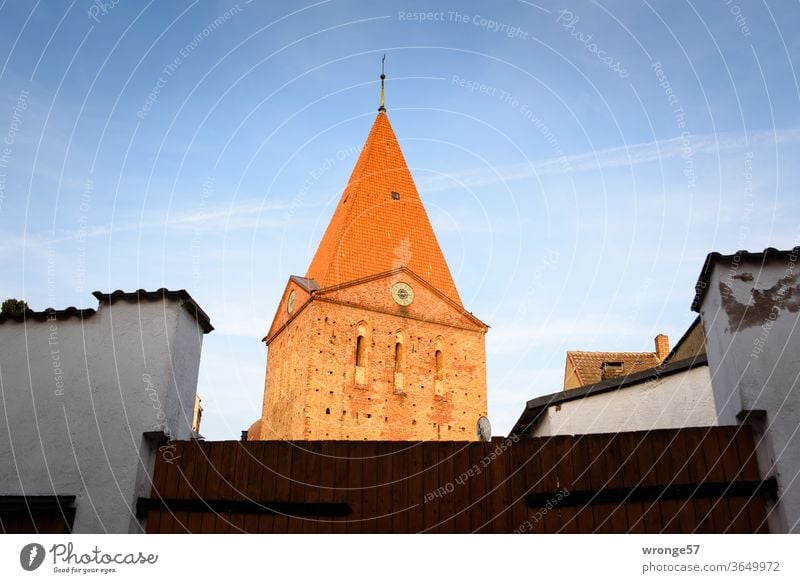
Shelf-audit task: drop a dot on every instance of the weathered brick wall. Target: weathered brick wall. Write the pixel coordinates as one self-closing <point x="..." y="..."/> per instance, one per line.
<point x="311" y="390"/>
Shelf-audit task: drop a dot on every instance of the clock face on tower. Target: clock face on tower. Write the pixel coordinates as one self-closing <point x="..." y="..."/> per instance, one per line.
<point x="290" y="302"/>
<point x="402" y="293"/>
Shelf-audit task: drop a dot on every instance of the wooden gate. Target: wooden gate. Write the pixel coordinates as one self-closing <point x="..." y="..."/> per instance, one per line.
<point x="676" y="481"/>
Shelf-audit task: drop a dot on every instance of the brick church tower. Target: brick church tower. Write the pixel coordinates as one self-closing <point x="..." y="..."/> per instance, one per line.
<point x="374" y="342"/>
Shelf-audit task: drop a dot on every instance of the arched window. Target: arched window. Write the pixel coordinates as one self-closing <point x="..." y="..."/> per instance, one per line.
<point x="399" y="353"/>
<point x="438" y="363"/>
<point x="361" y="354"/>
<point x="399" y="361"/>
<point x="361" y="347"/>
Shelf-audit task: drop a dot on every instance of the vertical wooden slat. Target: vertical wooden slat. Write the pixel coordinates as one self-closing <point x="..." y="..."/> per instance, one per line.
<point x="447" y="450"/>
<point x="477" y="489"/>
<point x="499" y="498"/>
<point x="230" y="453"/>
<point x="631" y="475"/>
<point x="519" y="455"/>
<point x="201" y="463"/>
<point x="385" y="484"/>
<point x="580" y="469"/>
<point x="679" y="460"/>
<point x="756" y="509"/>
<point x="720" y="512"/>
<point x="540" y="476"/>
<point x="566" y="478"/>
<point x="737" y="522"/>
<point x="251" y="478"/>
<point x="311" y="478"/>
<point x="697" y="474"/>
<point x="284" y="459"/>
<point x="327" y="484"/>
<point x="370" y="487"/>
<point x="355" y="486"/>
<point x="614" y="458"/>
<point x="598" y="480"/>
<point x="416" y="488"/>
<point x="461" y="492"/>
<point x="401" y="472"/>
<point x="341" y="489"/>
<point x="648" y="468"/>
<point x="297" y="486"/>
<point x="547" y="469"/>
<point x="661" y="444"/>
<point x="239" y="485"/>
<point x="185" y="468"/>
<point x="430" y="508"/>
<point x="263" y="483"/>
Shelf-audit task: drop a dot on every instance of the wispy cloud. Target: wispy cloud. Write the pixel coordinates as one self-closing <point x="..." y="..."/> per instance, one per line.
<point x="616" y="157"/>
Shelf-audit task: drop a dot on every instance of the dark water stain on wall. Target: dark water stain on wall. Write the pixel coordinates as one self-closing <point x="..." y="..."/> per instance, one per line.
<point x="784" y="295"/>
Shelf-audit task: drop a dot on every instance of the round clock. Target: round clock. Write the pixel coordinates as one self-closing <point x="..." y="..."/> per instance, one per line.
<point x="290" y="302"/>
<point x="484" y="429"/>
<point x="402" y="293"/>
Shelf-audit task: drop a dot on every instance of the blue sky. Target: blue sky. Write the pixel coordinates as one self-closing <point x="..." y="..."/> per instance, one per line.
<point x="578" y="160"/>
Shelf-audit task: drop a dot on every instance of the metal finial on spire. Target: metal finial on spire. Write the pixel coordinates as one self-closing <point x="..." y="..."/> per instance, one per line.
<point x="382" y="106"/>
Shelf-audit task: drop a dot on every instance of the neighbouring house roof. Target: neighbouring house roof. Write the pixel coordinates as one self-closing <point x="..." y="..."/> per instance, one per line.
<point x="380" y="223"/>
<point x="712" y="258"/>
<point x="161" y="294"/>
<point x="535" y="407"/>
<point x="589" y="365"/>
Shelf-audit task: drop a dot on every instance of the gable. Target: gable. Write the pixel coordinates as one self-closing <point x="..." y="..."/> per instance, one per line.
<point x="429" y="305"/>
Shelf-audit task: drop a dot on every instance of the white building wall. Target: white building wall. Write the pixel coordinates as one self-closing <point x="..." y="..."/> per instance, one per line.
<point x="751" y="318"/>
<point x="77" y="397"/>
<point x="680" y="400"/>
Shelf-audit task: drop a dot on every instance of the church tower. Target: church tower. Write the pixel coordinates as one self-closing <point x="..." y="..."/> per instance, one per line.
<point x="374" y="342"/>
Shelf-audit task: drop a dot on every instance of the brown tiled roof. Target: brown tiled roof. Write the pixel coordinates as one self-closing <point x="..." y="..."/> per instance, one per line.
<point x="589" y="365"/>
<point x="379" y="223"/>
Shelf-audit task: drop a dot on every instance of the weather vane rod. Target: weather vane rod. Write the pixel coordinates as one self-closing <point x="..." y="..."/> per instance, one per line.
<point x="382" y="106"/>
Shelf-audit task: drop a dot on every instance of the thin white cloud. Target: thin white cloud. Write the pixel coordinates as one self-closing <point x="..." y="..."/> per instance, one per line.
<point x="618" y="156"/>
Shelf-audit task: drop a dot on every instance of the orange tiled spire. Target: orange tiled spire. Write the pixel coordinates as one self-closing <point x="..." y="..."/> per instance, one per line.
<point x="380" y="223"/>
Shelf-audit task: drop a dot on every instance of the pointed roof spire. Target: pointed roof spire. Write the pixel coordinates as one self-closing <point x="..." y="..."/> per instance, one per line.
<point x="380" y="223"/>
<point x="382" y="106"/>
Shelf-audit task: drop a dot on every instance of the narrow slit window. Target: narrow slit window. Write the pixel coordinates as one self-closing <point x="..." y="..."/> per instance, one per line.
<point x="360" y="349"/>
<point x="399" y="356"/>
<point x="439" y="364"/>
